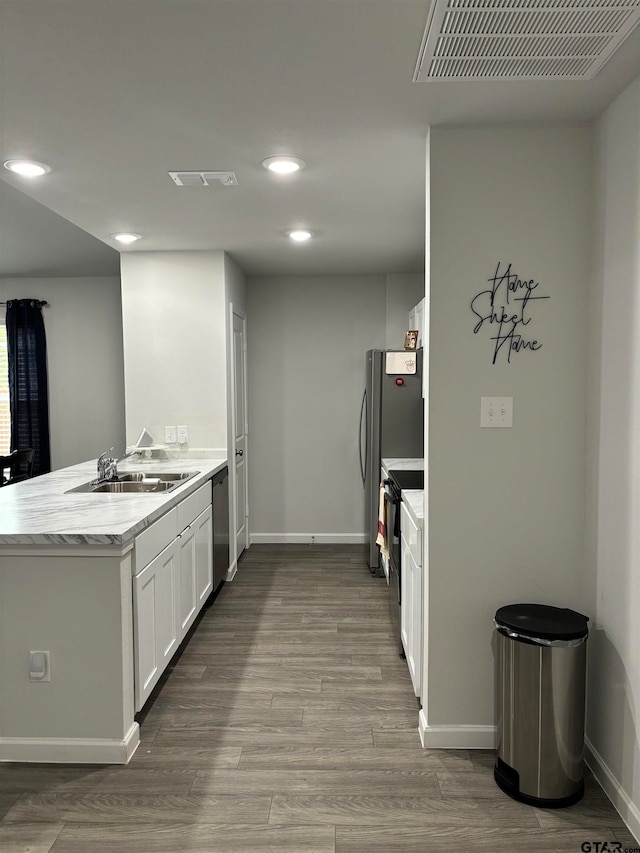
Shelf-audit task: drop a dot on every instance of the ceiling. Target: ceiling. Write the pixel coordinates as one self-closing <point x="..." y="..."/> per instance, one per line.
<point x="114" y="94"/>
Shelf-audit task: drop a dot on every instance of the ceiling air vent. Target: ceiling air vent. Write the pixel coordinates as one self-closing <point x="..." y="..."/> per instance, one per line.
<point x="203" y="179"/>
<point x="522" y="39"/>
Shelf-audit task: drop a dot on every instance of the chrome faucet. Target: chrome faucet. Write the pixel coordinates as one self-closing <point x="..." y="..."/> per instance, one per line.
<point x="108" y="466"/>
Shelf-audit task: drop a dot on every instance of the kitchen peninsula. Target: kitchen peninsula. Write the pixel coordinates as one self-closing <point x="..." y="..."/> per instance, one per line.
<point x="95" y="580"/>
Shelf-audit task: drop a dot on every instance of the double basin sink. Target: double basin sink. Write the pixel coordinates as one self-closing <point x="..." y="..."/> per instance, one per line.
<point x="138" y="482"/>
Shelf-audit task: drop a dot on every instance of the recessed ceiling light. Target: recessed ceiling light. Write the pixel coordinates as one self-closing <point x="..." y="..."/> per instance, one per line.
<point x="126" y="237"/>
<point x="299" y="235"/>
<point x="283" y="165"/>
<point x="27" y="168"/>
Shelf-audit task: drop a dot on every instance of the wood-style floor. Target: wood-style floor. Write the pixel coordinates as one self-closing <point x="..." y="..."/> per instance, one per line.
<point x="289" y="725"/>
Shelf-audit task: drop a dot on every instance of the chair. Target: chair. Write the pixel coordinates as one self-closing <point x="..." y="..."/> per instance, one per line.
<point x="16" y="466"/>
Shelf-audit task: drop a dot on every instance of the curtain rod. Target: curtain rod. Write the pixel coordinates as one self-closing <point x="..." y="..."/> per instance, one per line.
<point x="41" y="301"/>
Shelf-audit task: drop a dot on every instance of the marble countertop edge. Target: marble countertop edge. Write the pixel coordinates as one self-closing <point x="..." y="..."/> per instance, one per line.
<point x="402" y="464"/>
<point x="40" y="511"/>
<point x="414" y="500"/>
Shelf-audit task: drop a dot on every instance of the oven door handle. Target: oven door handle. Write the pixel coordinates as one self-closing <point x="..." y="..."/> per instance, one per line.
<point x="390" y="497"/>
<point x="393" y="529"/>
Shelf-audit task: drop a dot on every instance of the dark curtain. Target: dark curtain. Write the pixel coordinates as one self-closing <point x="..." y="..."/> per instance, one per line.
<point x="28" y="387"/>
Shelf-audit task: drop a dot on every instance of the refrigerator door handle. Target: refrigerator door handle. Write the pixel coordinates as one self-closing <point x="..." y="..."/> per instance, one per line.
<point x="363" y="412"/>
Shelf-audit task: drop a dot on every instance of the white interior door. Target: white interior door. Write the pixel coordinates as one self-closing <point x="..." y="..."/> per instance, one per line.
<point x="240" y="427"/>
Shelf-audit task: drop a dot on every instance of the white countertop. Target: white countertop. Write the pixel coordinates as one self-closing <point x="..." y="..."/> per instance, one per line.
<point x="38" y="512"/>
<point x="396" y="464"/>
<point x="414" y="501"/>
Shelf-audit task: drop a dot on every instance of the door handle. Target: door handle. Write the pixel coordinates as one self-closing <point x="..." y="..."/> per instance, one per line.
<point x="239" y="452"/>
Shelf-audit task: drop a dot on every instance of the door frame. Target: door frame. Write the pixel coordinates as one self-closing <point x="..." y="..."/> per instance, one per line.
<point x="233" y="514"/>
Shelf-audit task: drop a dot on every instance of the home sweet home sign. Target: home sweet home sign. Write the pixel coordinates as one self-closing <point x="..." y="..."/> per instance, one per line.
<point x="506" y="309"/>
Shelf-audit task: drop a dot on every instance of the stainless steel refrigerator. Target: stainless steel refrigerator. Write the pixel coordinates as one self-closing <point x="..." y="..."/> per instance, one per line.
<point x="391" y="425"/>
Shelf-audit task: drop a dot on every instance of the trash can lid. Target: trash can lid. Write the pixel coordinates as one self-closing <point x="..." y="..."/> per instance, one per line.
<point x="544" y="621"/>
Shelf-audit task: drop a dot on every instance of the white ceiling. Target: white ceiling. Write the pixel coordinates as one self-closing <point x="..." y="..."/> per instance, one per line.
<point x="35" y="242"/>
<point x="114" y="94"/>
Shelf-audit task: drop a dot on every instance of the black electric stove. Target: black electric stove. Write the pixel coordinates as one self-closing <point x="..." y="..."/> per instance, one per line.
<point x="407" y="479"/>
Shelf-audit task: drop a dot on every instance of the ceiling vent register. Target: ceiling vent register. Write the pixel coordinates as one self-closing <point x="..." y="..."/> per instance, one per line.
<point x="203" y="179"/>
<point x="522" y="39"/>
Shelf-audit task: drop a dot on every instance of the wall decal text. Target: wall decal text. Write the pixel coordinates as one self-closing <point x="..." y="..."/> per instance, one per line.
<point x="506" y="308"/>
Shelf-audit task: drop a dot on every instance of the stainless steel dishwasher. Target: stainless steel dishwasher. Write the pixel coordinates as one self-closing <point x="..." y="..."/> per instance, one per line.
<point x="220" y="483"/>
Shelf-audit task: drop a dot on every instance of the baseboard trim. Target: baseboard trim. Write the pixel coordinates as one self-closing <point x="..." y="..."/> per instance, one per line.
<point x="626" y="808"/>
<point x="231" y="571"/>
<point x="71" y="750"/>
<point x="308" y="538"/>
<point x="455" y="737"/>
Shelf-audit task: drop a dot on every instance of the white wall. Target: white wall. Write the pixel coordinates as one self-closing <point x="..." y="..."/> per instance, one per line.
<point x="306" y="362"/>
<point x="84" y="351"/>
<point x="174" y="319"/>
<point x="507" y="507"/>
<point x="613" y="545"/>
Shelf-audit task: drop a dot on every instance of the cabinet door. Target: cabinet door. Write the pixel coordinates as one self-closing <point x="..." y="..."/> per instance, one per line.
<point x="406" y="609"/>
<point x="414" y="653"/>
<point x="410" y="612"/>
<point x="155" y="622"/>
<point x="204" y="555"/>
<point x="411" y="597"/>
<point x="420" y="322"/>
<point x="187" y="609"/>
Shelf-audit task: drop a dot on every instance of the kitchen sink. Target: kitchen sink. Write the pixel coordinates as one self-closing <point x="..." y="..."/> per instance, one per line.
<point x="137" y="476"/>
<point x="132" y="488"/>
<point x="138" y="482"/>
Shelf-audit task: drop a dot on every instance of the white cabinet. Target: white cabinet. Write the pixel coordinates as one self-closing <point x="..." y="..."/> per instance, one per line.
<point x="195" y="568"/>
<point x="420" y="322"/>
<point x="411" y="598"/>
<point x="187" y="579"/>
<point x="156" y="620"/>
<point x="172" y="580"/>
<point x="416" y="321"/>
<point x="204" y="555"/>
<point x="412" y="324"/>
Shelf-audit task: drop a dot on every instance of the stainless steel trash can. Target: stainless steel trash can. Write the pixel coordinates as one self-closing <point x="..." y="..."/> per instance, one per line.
<point x="540" y="698"/>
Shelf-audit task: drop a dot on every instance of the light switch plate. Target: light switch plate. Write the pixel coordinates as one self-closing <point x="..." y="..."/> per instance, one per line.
<point x="496" y="411"/>
<point x="170" y="435"/>
<point x="39" y="666"/>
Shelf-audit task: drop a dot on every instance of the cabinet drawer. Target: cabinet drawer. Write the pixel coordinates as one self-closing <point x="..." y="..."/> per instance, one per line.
<point x="155" y="538"/>
<point x="411" y="534"/>
<point x="191" y="507"/>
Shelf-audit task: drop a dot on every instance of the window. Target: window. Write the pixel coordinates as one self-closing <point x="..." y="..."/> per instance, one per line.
<point x="5" y="420"/>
